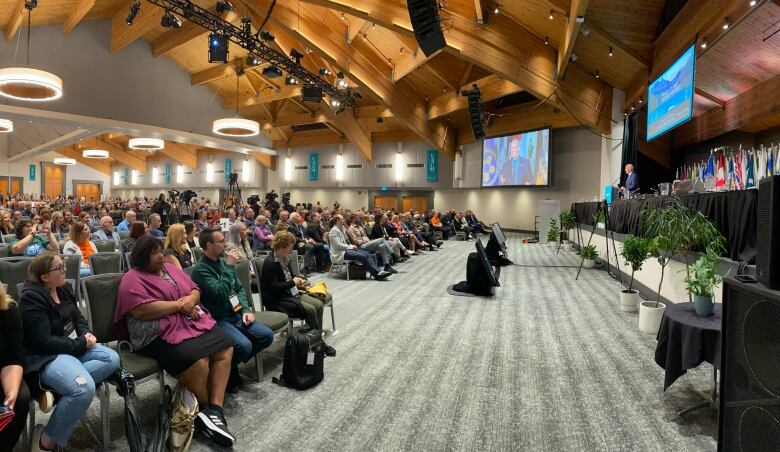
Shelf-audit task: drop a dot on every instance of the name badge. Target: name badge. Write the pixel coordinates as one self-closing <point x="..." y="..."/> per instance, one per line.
<point x="234" y="302"/>
<point x="294" y="290"/>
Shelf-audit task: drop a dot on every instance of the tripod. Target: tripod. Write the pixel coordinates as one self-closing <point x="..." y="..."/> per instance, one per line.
<point x="233" y="193"/>
<point x="603" y="207"/>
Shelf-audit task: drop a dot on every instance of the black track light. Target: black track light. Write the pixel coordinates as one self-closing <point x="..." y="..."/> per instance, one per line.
<point x="30" y="5"/>
<point x="325" y="71"/>
<point x="272" y="72"/>
<point x="224" y="6"/>
<point x="188" y="10"/>
<point x="266" y="35"/>
<point x="218" y="48"/>
<point x="169" y="20"/>
<point x="252" y="60"/>
<point x="290" y="80"/>
<point x="134" y="8"/>
<point x="296" y="55"/>
<point x="341" y="83"/>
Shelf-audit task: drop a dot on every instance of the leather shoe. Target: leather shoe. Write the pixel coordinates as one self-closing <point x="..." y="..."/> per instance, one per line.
<point x="329" y="351"/>
<point x="389" y="268"/>
<point x="382" y="275"/>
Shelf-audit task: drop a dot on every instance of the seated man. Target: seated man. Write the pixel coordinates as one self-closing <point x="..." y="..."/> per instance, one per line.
<point x="224" y="296"/>
<point x="474" y="223"/>
<point x="303" y="245"/>
<point x="315" y="232"/>
<point x="447" y="224"/>
<point x="124" y="226"/>
<point x="154" y="226"/>
<point x="460" y="224"/>
<point x="106" y="231"/>
<point x="357" y="236"/>
<point x="341" y="249"/>
<point x="378" y="230"/>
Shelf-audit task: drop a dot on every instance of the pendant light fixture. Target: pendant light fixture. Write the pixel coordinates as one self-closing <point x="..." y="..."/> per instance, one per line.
<point x="94" y="152"/>
<point x="6" y="126"/>
<point x="236" y="126"/>
<point x="64" y="161"/>
<point x="146" y="144"/>
<point x="25" y="83"/>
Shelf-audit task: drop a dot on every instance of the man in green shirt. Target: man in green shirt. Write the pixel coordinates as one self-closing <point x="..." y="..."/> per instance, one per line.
<point x="224" y="296"/>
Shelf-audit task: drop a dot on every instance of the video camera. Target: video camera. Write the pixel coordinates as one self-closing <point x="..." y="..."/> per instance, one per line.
<point x="187" y="196"/>
<point x="286" y="198"/>
<point x="270" y="201"/>
<point x="173" y="194"/>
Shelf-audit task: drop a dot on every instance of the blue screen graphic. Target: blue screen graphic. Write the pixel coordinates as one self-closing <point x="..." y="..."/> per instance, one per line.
<point x="670" y="96"/>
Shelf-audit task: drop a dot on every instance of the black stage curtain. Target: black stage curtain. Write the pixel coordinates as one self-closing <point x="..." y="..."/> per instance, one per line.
<point x="629" y="154"/>
<point x="734" y="213"/>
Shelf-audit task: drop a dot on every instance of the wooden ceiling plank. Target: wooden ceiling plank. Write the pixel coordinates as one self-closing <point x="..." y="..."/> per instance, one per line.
<point x="96" y="164"/>
<point x="78" y="13"/>
<point x="216" y="72"/>
<point x="522" y="117"/>
<point x="122" y="35"/>
<point x="180" y="153"/>
<point x="466" y="74"/>
<point x="173" y="39"/>
<point x="15" y="16"/>
<point x="710" y="97"/>
<point x="491" y="87"/>
<point x="570" y="34"/>
<point x="479" y="13"/>
<point x="601" y="35"/>
<point x="355" y="27"/>
<point x="118" y="153"/>
<point x="410" y="63"/>
<point x="267" y="160"/>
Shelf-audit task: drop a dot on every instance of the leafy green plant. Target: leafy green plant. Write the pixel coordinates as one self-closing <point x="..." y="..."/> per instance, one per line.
<point x="704" y="275"/>
<point x="589" y="252"/>
<point x="635" y="251"/>
<point x="553" y="234"/>
<point x="660" y="224"/>
<point x="600" y="217"/>
<point x="568" y="221"/>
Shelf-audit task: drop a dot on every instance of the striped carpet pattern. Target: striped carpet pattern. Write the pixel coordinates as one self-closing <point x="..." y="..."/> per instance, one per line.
<point x="548" y="363"/>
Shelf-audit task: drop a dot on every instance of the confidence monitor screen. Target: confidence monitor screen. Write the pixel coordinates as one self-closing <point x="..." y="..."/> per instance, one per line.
<point x="519" y="159"/>
<point x="670" y="96"/>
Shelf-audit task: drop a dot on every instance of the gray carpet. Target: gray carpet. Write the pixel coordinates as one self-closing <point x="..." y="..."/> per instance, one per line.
<point x="548" y="363"/>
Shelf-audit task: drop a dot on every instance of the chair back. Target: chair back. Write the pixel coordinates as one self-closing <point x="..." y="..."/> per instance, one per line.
<point x="123" y="234"/>
<point x="101" y="263"/>
<point x="13" y="271"/>
<point x="258" y="262"/>
<point x="105" y="246"/>
<point x="62" y="246"/>
<point x="294" y="262"/>
<point x="127" y="261"/>
<point x="189" y="270"/>
<point x="197" y="253"/>
<point x="72" y="266"/>
<point x="8" y="237"/>
<point x="100" y="293"/>
<point x="243" y="272"/>
<point x="5" y="250"/>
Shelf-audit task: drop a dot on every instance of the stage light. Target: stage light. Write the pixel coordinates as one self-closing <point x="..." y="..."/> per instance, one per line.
<point x="335" y="103"/>
<point x="597" y="74"/>
<point x="573" y="57"/>
<point x="373" y="26"/>
<point x="339" y="168"/>
<point x="726" y="24"/>
<point x="6" y="126"/>
<point x="179" y="174"/>
<point x="246" y="28"/>
<point x="496" y="10"/>
<point x="252" y="60"/>
<point x="188" y="10"/>
<point x="218" y="48"/>
<point x="632" y="108"/>
<point x="341" y="83"/>
<point x="296" y="55"/>
<point x="640" y="101"/>
<point x="155" y="176"/>
<point x="94" y="153"/>
<point x="267" y="35"/>
<point x="272" y="72"/>
<point x="611" y="53"/>
<point x="704" y="43"/>
<point x="146" y="144"/>
<point x="546" y="40"/>
<point x="365" y="36"/>
<point x="236" y="127"/>
<point x="552" y="15"/>
<point x="753" y="3"/>
<point x="169" y="20"/>
<point x="134" y="8"/>
<point x="224" y="6"/>
<point x="209" y="172"/>
<point x="245" y="171"/>
<point x="64" y="161"/>
<point x="290" y="80"/>
<point x="287" y="169"/>
<point x="325" y="71"/>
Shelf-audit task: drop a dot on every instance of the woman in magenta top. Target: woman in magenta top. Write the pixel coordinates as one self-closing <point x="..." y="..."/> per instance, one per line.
<point x="262" y="234"/>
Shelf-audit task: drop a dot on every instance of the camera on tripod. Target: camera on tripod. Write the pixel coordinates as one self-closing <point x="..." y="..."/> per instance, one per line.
<point x="286" y="198"/>
<point x="173" y="194"/>
<point x="187" y="196"/>
<point x="270" y="201"/>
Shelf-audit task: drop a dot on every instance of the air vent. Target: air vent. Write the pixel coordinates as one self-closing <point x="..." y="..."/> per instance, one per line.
<point x="354" y="166"/>
<point x="328" y="166"/>
<point x="384" y="165"/>
<point x="302" y="167"/>
<point x="415" y="165"/>
<point x="514" y="99"/>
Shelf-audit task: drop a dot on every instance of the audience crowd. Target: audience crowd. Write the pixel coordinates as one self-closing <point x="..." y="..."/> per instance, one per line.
<point x="180" y="301"/>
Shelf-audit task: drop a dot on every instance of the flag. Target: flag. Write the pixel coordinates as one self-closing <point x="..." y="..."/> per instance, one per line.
<point x="710" y="170"/>
<point x="738" y="174"/>
<point x="770" y="164"/>
<point x="730" y="172"/>
<point x="720" y="181"/>
<point x="749" y="174"/>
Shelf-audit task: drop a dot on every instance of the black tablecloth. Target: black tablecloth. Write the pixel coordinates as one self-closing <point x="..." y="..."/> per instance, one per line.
<point x="734" y="213"/>
<point x="685" y="340"/>
<point x="585" y="212"/>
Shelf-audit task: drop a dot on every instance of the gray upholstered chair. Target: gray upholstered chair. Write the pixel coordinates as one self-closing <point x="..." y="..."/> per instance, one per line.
<point x="126" y="257"/>
<point x="8" y="237"/>
<point x="197" y="253"/>
<point x="100" y="295"/>
<point x="72" y="266"/>
<point x="13" y="270"/>
<point x="105" y="246"/>
<point x="123" y="235"/>
<point x="101" y="263"/>
<point x="5" y="250"/>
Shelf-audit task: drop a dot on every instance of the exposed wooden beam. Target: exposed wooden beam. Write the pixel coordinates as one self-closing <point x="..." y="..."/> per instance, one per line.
<point x="559" y="6"/>
<point x="15" y="15"/>
<point x="264" y="98"/>
<point x="573" y="24"/>
<point x="378" y="111"/>
<point x="352" y="129"/>
<point x="522" y="117"/>
<point x="267" y="160"/>
<point x="310" y="138"/>
<point x="355" y="27"/>
<point x="78" y="13"/>
<point x="394" y="136"/>
<point x="296" y="120"/>
<point x="96" y="164"/>
<point x="353" y="61"/>
<point x="597" y="33"/>
<point x="216" y="72"/>
<point x="183" y="154"/>
<point x="491" y="88"/>
<point x="122" y="35"/>
<point x="174" y="39"/>
<point x="410" y="63"/>
<point x="466" y="74"/>
<point x="710" y="97"/>
<point x="479" y="13"/>
<point x="757" y="103"/>
<point x="438" y="75"/>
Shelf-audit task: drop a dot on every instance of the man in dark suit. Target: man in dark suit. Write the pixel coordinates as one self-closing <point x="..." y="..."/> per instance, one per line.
<point x="321" y="251"/>
<point x="303" y="244"/>
<point x="632" y="181"/>
<point x="516" y="170"/>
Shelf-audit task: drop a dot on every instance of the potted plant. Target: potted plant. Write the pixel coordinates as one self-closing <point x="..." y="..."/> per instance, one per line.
<point x="701" y="282"/>
<point x="568" y="222"/>
<point x="589" y="255"/>
<point x="553" y="234"/>
<point x="600" y="218"/>
<point x="635" y="251"/>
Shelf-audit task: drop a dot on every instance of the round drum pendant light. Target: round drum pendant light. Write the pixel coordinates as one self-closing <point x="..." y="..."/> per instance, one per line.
<point x="6" y="126"/>
<point x="146" y="144"/>
<point x="64" y="161"/>
<point x="94" y="153"/>
<point x="236" y="127"/>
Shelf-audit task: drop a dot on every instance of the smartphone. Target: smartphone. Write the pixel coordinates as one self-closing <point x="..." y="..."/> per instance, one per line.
<point x="745" y="279"/>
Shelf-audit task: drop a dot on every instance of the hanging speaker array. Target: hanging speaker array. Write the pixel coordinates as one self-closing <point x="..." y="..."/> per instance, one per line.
<point x="424" y="15"/>
<point x="475" y="112"/>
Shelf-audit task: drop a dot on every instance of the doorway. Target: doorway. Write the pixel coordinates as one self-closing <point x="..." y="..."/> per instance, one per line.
<point x="17" y="185"/>
<point x="386" y="202"/>
<point x="418" y="203"/>
<point x="87" y="190"/>
<point x="53" y="182"/>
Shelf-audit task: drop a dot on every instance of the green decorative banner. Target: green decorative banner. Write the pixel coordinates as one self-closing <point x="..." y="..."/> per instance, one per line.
<point x="432" y="166"/>
<point x="167" y="173"/>
<point x="314" y="166"/>
<point x="127" y="176"/>
<point x="32" y="172"/>
<point x="228" y="168"/>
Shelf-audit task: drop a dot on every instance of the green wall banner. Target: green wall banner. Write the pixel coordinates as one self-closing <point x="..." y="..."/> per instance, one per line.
<point x="432" y="166"/>
<point x="32" y="172"/>
<point x="314" y="166"/>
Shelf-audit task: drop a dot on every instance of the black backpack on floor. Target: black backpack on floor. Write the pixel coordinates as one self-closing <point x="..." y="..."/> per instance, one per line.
<point x="304" y="354"/>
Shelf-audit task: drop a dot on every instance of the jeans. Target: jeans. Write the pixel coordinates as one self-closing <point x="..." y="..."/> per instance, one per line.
<point x="379" y="246"/>
<point x="84" y="271"/>
<point x="74" y="379"/>
<point x="363" y="258"/>
<point x="248" y="340"/>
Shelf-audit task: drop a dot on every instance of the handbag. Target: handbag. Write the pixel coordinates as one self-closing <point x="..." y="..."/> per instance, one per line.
<point x="185" y="408"/>
<point x="319" y="290"/>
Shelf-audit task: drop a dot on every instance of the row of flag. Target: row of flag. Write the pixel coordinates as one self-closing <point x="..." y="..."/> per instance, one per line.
<point x="737" y="170"/>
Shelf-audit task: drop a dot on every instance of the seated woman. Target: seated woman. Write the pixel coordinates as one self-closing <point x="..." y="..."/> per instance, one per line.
<point x="58" y="226"/>
<point x="236" y="239"/>
<point x="403" y="235"/>
<point x="262" y="234"/>
<point x="158" y="309"/>
<point x="189" y="232"/>
<point x="60" y="350"/>
<point x="279" y="288"/>
<point x="174" y="249"/>
<point x="32" y="239"/>
<point x="137" y="230"/>
<point x="79" y="244"/>
<point x="460" y="224"/>
<point x="13" y="389"/>
<point x="6" y="227"/>
<point x="203" y="220"/>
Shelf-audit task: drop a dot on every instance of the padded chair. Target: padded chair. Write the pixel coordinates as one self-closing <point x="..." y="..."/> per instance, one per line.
<point x="62" y="246"/>
<point x="5" y="250"/>
<point x="72" y="267"/>
<point x="197" y="253"/>
<point x="105" y="246"/>
<point x="8" y="237"/>
<point x="102" y="263"/>
<point x="100" y="294"/>
<point x="189" y="270"/>
<point x="460" y="236"/>
<point x="126" y="257"/>
<point x="123" y="234"/>
<point x="13" y="271"/>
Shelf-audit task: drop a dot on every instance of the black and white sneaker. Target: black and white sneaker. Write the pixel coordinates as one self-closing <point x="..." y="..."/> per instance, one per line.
<point x="211" y="421"/>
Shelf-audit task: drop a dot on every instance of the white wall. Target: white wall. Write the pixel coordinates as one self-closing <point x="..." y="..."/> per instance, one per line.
<point x="612" y="147"/>
<point x="576" y="167"/>
<point x="76" y="172"/>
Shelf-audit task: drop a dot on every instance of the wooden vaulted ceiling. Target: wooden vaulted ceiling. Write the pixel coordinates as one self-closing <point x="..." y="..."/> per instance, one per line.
<point x="550" y="64"/>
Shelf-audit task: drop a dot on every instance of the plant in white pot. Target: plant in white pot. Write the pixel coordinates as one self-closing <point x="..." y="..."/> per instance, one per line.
<point x="553" y="234"/>
<point x="635" y="251"/>
<point x="589" y="255"/>
<point x="701" y="282"/>
<point x="568" y="222"/>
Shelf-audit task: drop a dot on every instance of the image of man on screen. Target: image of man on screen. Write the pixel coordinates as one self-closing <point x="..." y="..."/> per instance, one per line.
<point x="516" y="170"/>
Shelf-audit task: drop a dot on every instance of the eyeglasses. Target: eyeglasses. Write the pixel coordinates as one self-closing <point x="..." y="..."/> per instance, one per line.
<point x="62" y="269"/>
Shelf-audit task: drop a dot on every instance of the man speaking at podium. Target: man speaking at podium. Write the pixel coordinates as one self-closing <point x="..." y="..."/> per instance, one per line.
<point x="632" y="181"/>
<point x="517" y="169"/>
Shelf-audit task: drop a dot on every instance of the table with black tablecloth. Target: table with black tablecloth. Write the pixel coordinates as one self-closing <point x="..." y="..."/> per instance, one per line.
<point x="734" y="214"/>
<point x="686" y="340"/>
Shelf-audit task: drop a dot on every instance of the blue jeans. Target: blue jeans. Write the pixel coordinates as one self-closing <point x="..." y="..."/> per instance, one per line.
<point x="363" y="258"/>
<point x="248" y="340"/>
<point x="74" y="380"/>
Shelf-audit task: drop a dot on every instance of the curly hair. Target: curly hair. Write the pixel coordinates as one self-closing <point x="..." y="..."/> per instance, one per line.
<point x="19" y="226"/>
<point x="143" y="250"/>
<point x="282" y="239"/>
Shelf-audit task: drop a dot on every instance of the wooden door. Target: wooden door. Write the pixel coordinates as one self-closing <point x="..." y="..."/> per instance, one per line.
<point x="418" y="203"/>
<point x="53" y="176"/>
<point x="88" y="190"/>
<point x="16" y="185"/>
<point x="386" y="202"/>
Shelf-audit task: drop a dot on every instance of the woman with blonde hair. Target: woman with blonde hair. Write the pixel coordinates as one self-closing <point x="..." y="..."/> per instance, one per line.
<point x="6" y="227"/>
<point x="58" y="226"/>
<point x="13" y="390"/>
<point x="80" y="245"/>
<point x="175" y="249"/>
<point x="237" y="240"/>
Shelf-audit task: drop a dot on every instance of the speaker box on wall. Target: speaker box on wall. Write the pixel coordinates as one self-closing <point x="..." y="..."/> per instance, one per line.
<point x="475" y="113"/>
<point x="424" y="15"/>
<point x="750" y="368"/>
<point x="768" y="233"/>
